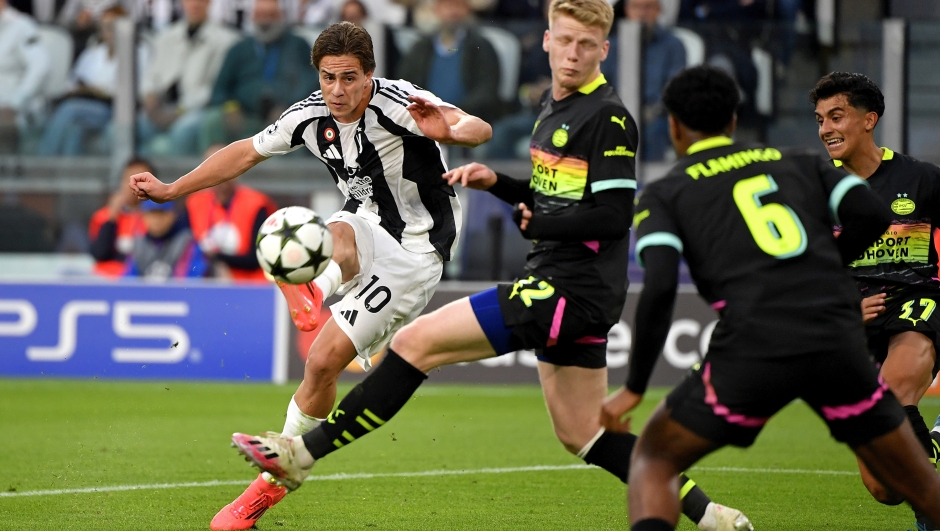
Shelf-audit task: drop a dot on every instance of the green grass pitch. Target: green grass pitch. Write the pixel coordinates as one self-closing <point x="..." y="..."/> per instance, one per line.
<point x="65" y="435"/>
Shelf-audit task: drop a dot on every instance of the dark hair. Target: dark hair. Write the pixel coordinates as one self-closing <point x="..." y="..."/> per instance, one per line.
<point x="861" y="92"/>
<point x="137" y="160"/>
<point x="344" y="38"/>
<point x="703" y="98"/>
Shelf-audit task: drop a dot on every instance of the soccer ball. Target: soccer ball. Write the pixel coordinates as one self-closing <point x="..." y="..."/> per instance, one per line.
<point x="294" y="245"/>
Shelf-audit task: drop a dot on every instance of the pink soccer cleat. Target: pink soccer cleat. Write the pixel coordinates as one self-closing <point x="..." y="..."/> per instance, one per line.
<point x="304" y="302"/>
<point x="248" y="507"/>
<point x="285" y="458"/>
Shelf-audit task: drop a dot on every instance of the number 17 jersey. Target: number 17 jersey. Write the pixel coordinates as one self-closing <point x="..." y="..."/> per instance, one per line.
<point x="754" y="225"/>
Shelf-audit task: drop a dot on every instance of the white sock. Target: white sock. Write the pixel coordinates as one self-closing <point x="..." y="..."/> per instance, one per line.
<point x="297" y="423"/>
<point x="304" y="459"/>
<point x="709" y="521"/>
<point x="330" y="279"/>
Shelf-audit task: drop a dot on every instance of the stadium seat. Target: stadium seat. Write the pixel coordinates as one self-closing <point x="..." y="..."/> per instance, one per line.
<point x="764" y="95"/>
<point x="59" y="46"/>
<point x="694" y="45"/>
<point x="510" y="57"/>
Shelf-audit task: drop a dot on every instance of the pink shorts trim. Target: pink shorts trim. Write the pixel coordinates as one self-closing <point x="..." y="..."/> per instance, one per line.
<point x="720" y="305"/>
<point x="856" y="409"/>
<point x="591" y="340"/>
<point x="594" y="246"/>
<point x="711" y="398"/>
<point x="556" y="322"/>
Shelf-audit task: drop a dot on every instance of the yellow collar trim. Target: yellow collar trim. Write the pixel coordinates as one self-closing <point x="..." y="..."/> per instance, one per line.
<point x="592" y="86"/>
<point x="709" y="143"/>
<point x="887" y="155"/>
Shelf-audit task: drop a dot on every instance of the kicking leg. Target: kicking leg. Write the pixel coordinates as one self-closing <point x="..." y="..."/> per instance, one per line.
<point x="448" y="335"/>
<point x="329" y="354"/>
<point x="662" y="452"/>
<point x="305" y="300"/>
<point x="574" y="396"/>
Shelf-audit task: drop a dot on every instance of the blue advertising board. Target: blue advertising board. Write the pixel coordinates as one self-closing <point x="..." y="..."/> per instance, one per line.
<point x="142" y="330"/>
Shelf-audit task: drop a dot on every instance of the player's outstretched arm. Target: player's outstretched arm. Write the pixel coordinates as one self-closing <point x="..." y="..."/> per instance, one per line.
<point x="226" y="164"/>
<point x="448" y="125"/>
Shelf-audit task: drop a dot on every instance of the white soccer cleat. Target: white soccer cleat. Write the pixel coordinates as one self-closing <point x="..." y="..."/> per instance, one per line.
<point x="285" y="458"/>
<point x="720" y="518"/>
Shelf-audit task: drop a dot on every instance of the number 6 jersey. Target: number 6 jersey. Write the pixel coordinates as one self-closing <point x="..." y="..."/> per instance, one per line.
<point x="754" y="224"/>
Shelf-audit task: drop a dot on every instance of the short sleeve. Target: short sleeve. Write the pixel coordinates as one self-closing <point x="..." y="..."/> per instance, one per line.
<point x="612" y="160"/>
<point x="654" y="223"/>
<point x="282" y="136"/>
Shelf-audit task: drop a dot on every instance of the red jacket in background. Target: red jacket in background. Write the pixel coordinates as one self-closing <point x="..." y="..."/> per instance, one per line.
<point x="234" y="224"/>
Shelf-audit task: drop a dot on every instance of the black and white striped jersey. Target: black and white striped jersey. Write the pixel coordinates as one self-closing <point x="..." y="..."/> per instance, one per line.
<point x="390" y="176"/>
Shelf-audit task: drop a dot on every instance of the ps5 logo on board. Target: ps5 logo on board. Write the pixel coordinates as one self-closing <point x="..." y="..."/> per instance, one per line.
<point x="122" y="314"/>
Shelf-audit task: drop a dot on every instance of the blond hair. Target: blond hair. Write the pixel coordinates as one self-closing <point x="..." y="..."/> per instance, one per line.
<point x="597" y="13"/>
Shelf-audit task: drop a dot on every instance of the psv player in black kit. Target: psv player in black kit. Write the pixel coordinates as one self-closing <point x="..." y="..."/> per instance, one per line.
<point x="754" y="225"/>
<point x="578" y="205"/>
<point x="897" y="275"/>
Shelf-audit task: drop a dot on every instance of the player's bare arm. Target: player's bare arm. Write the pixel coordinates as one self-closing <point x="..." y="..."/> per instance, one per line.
<point x="474" y="175"/>
<point x="448" y="125"/>
<point x="225" y="165"/>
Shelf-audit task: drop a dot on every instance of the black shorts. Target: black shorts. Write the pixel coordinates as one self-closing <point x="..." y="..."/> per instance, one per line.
<point x="912" y="311"/>
<point x="532" y="314"/>
<point x="727" y="400"/>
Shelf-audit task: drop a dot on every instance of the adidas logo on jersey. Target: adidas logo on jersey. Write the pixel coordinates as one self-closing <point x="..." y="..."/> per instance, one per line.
<point x="332" y="153"/>
<point x="350" y="316"/>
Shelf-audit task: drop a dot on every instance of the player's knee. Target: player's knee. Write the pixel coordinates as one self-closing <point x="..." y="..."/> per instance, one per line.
<point x="411" y="342"/>
<point x="322" y="369"/>
<point x="886" y="497"/>
<point x="883" y="494"/>
<point x="574" y="439"/>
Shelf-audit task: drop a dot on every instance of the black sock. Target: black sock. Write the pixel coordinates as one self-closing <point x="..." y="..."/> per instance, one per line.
<point x="920" y="428"/>
<point x="923" y="435"/>
<point x="611" y="451"/>
<point x="694" y="500"/>
<point x="652" y="524"/>
<point x="369" y="405"/>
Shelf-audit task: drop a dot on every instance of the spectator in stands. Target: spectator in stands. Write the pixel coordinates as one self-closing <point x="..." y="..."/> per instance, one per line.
<point x="354" y="11"/>
<point x="177" y="84"/>
<point x="456" y="62"/>
<point x="114" y="227"/>
<point x="663" y="57"/>
<point x="225" y="220"/>
<point x="82" y="18"/>
<point x="260" y="78"/>
<point x="167" y="248"/>
<point x="423" y="15"/>
<point x="23" y="66"/>
<point x="85" y="112"/>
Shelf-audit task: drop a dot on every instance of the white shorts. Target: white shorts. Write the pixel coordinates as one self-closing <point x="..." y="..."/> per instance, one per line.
<point x="391" y="290"/>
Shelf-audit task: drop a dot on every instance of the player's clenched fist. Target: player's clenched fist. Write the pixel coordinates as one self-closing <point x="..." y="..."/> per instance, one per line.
<point x="146" y="186"/>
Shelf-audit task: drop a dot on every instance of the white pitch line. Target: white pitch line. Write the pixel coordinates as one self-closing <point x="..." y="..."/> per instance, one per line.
<point x="425" y="473"/>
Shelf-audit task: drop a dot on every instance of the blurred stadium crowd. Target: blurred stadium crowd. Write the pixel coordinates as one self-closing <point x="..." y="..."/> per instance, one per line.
<point x="212" y="71"/>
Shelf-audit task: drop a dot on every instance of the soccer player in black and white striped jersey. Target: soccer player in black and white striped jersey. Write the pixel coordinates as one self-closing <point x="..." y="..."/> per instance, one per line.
<point x="400" y="221"/>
